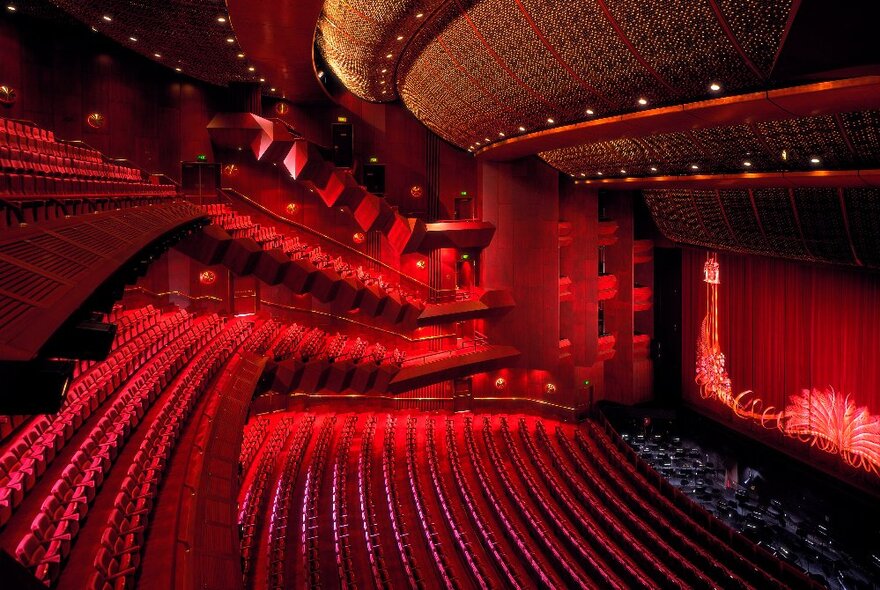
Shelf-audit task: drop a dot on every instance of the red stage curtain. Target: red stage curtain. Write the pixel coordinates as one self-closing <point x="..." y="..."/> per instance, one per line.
<point x="787" y="326"/>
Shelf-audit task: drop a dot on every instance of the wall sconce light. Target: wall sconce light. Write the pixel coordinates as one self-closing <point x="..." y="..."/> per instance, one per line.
<point x="8" y="96"/>
<point x="96" y="120"/>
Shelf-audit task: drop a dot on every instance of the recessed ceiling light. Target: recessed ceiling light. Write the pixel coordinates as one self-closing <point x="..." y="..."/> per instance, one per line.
<point x="230" y="39"/>
<point x="419" y="15"/>
<point x="251" y="68"/>
<point x="521" y="128"/>
<point x="384" y="70"/>
<point x="488" y="140"/>
<point x="747" y="164"/>
<point x="477" y="143"/>
<point x="11" y="7"/>
<point x="381" y="81"/>
<point x="784" y="154"/>
<point x="590" y="112"/>
<point x="599" y="173"/>
<point x="694" y="167"/>
<point x="400" y="37"/>
<point x="240" y="56"/>
<point x="714" y="86"/>
<point x="501" y="134"/>
<point x="107" y="18"/>
<point x="643" y="101"/>
<point x="133" y="39"/>
<point x="622" y="171"/>
<point x="583" y="173"/>
<point x="551" y="121"/>
<point x="177" y="70"/>
<point x="815" y="160"/>
<point x="159" y="55"/>
<point x="221" y="19"/>
<point x="390" y="55"/>
<point x="653" y="169"/>
<point x="94" y="29"/>
<point x="271" y="90"/>
<point x="262" y="79"/>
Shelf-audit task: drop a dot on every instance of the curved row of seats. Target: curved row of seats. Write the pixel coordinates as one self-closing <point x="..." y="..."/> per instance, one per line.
<point x="117" y="559"/>
<point x="254" y="435"/>
<point x="310" y="515"/>
<point x="282" y="501"/>
<point x="254" y="499"/>
<point x="66" y="507"/>
<point x="27" y="457"/>
<point x="530" y="509"/>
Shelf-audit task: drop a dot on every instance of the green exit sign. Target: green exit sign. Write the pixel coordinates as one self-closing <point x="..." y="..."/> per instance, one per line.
<point x="586" y="382"/>
<point x="202" y="158"/>
<point x="463" y="193"/>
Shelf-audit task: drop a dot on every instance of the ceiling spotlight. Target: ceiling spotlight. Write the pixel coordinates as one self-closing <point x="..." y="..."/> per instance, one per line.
<point x="262" y="79"/>
<point x="477" y="143"/>
<point x="622" y="171"/>
<point x="271" y="90"/>
<point x="400" y="37"/>
<point x="653" y="169"/>
<point x="488" y="140"/>
<point x="815" y="160"/>
<point x="251" y="68"/>
<point x="221" y="19"/>
<point x="599" y="173"/>
<point x="643" y="101"/>
<point x="11" y="7"/>
<point x="590" y="112"/>
<point x="694" y="167"/>
<point x="390" y="55"/>
<point x="521" y="128"/>
<point x="419" y="15"/>
<point x="240" y="56"/>
<point x="230" y="39"/>
<point x="133" y="39"/>
<point x="381" y="81"/>
<point x="784" y="154"/>
<point x="500" y="134"/>
<point x="158" y="55"/>
<point x="551" y="121"/>
<point x="747" y="164"/>
<point x="714" y="87"/>
<point x="583" y="173"/>
<point x="177" y="70"/>
<point x="384" y="70"/>
<point x="107" y="18"/>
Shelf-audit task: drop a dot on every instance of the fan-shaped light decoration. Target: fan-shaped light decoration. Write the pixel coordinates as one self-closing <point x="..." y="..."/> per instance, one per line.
<point x="96" y="120"/>
<point x="550" y="389"/>
<point x="500" y="383"/>
<point x="292" y="208"/>
<point x="230" y="170"/>
<point x="359" y="238"/>
<point x="825" y="419"/>
<point x="207" y="277"/>
<point x="8" y="96"/>
<point x="416" y="191"/>
<point x="282" y="108"/>
<point x="421" y="264"/>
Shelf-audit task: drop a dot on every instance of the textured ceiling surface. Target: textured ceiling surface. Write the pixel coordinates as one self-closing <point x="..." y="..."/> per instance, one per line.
<point x="186" y="34"/>
<point x="480" y="70"/>
<point x="841" y="141"/>
<point x="813" y="224"/>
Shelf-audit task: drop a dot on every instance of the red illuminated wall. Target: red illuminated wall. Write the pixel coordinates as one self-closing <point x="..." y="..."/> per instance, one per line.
<point x="154" y="116"/>
<point x="786" y="327"/>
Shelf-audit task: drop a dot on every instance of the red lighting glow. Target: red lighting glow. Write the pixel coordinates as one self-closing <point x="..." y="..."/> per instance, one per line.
<point x="825" y="419"/>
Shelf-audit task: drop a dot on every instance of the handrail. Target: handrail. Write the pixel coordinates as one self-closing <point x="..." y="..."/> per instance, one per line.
<point x="472" y="345"/>
<point x="166" y="177"/>
<point x="298" y="225"/>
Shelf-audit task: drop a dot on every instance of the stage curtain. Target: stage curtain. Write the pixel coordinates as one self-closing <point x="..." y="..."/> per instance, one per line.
<point x="787" y="326"/>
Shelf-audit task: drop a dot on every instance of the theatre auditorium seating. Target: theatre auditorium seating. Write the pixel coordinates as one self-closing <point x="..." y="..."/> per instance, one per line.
<point x="53" y="469"/>
<point x="248" y="248"/>
<point x="459" y="501"/>
<point x="44" y="178"/>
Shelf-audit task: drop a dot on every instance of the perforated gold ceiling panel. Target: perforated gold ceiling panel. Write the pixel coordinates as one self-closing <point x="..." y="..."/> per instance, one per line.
<point x="478" y="71"/>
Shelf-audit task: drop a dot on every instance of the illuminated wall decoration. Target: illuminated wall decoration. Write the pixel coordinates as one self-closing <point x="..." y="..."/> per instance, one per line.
<point x="825" y="419"/>
<point x="358" y="238"/>
<point x="500" y="383"/>
<point x="207" y="277"/>
<point x="96" y="120"/>
<point x="8" y="96"/>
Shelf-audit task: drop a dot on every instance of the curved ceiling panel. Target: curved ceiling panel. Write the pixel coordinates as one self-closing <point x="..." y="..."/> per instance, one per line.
<point x="187" y="35"/>
<point x="840" y="141"/>
<point x="813" y="224"/>
<point x="478" y="71"/>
